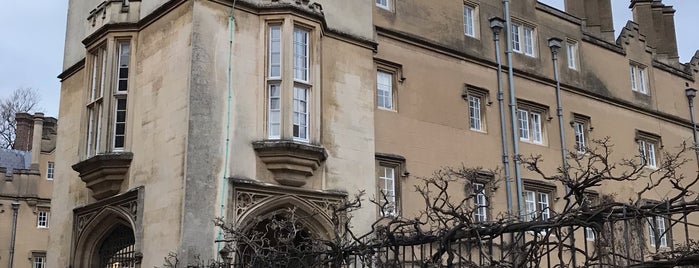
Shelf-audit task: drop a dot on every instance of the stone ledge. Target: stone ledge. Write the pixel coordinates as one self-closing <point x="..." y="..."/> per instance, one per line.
<point x="291" y="162"/>
<point x="104" y="173"/>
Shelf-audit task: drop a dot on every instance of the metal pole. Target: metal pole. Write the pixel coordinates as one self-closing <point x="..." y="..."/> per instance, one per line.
<point x="555" y="45"/>
<point x="15" y="209"/>
<point x="503" y="127"/>
<point x="690" y="100"/>
<point x="513" y="110"/>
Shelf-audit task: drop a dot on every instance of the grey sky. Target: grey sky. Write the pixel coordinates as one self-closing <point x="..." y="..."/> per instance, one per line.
<point x="33" y="33"/>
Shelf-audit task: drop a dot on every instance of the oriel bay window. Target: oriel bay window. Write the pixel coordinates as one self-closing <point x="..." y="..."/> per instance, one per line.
<point x="292" y="81"/>
<point x="106" y="108"/>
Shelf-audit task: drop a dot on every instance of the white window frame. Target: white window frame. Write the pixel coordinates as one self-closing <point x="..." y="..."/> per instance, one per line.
<point x="384" y="90"/>
<point x="480" y="202"/>
<point x="572" y="53"/>
<point x="387" y="187"/>
<point x="639" y="78"/>
<point x="524" y="39"/>
<point x="589" y="234"/>
<point x="39" y="262"/>
<point x="385" y="4"/>
<point x="659" y="223"/>
<point x="96" y="101"/>
<point x="50" y="168"/>
<point x="275" y="42"/>
<point x="581" y="128"/>
<point x="530" y="124"/>
<point x="648" y="151"/>
<point x="475" y="107"/>
<point x="516" y="38"/>
<point x="470" y="21"/>
<point x="537" y="205"/>
<point x="301" y="67"/>
<point x="274" y="112"/>
<point x="42" y="219"/>
<point x="300" y="100"/>
<point x="292" y="96"/>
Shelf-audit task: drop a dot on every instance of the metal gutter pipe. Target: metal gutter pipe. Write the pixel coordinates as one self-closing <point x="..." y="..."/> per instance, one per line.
<point x="497" y="24"/>
<point x="555" y="45"/>
<point x="513" y="110"/>
<point x="15" y="210"/>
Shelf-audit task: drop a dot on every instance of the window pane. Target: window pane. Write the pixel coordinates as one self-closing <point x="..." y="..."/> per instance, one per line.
<point x="579" y="136"/>
<point x="384" y="90"/>
<point x="275" y="51"/>
<point x="515" y="38"/>
<point x="523" y="124"/>
<point x="651" y="154"/>
<point x="528" y="41"/>
<point x="300" y="116"/>
<point x="474" y="107"/>
<point x="120" y="123"/>
<point x="530" y="205"/>
<point x="387" y="186"/>
<point x="123" y="66"/>
<point x="300" y="54"/>
<point x="544" y="206"/>
<point x="536" y="128"/>
<point x="274" y="112"/>
<point x="632" y="69"/>
<point x="642" y="80"/>
<point x="571" y="55"/>
<point x="468" y="21"/>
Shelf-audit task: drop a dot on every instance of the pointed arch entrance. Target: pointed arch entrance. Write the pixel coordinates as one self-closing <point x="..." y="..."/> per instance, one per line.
<point x="107" y="233"/>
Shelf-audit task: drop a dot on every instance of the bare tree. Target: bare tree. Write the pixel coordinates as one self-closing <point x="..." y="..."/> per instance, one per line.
<point x="445" y="231"/>
<point x="22" y="100"/>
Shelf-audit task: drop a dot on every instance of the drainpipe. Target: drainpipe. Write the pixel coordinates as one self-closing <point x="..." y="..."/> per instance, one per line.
<point x="15" y="209"/>
<point x="513" y="110"/>
<point x="497" y="24"/>
<point x="555" y="46"/>
<point x="224" y="188"/>
<point x="691" y="93"/>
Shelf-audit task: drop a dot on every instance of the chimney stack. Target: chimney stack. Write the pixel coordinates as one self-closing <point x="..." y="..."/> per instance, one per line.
<point x="23" y="132"/>
<point x="596" y="14"/>
<point x="36" y="137"/>
<point x="657" y="22"/>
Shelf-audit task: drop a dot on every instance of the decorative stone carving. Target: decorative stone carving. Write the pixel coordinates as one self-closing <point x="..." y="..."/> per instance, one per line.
<point x="252" y="198"/>
<point x="104" y="173"/>
<point x="290" y="162"/>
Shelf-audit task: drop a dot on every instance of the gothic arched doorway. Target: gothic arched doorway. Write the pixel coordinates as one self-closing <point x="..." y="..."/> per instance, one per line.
<point x="280" y="240"/>
<point x="117" y="249"/>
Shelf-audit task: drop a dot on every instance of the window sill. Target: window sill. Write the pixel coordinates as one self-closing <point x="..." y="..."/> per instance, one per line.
<point x="478" y="131"/>
<point x="386" y="109"/>
<point x="104" y="173"/>
<point x="291" y="162"/>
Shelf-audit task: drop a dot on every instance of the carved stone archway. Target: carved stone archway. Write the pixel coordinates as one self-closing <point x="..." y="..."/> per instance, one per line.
<point x="107" y="229"/>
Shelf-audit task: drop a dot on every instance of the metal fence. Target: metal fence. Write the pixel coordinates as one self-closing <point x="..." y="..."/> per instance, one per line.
<point x="653" y="235"/>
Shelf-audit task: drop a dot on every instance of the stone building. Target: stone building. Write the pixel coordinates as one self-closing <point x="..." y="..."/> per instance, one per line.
<point x="25" y="192"/>
<point x="175" y="112"/>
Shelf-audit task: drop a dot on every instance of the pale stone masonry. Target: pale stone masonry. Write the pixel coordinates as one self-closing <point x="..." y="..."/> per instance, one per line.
<point x="174" y="112"/>
<point x="26" y="182"/>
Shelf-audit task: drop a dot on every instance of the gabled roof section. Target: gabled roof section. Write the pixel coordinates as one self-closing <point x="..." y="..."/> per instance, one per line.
<point x="693" y="65"/>
<point x="629" y="33"/>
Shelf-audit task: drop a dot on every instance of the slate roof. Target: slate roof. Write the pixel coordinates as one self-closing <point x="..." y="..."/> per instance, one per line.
<point x="15" y="159"/>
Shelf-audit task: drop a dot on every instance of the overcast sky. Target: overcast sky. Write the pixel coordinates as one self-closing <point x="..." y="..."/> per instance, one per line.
<point x="33" y="32"/>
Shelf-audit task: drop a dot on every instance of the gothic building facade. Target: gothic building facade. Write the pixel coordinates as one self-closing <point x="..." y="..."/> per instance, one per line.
<point x="175" y="112"/>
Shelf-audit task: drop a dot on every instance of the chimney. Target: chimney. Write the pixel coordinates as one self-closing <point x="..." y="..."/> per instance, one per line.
<point x="23" y="132"/>
<point x="36" y="138"/>
<point x="657" y="22"/>
<point x="596" y="14"/>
